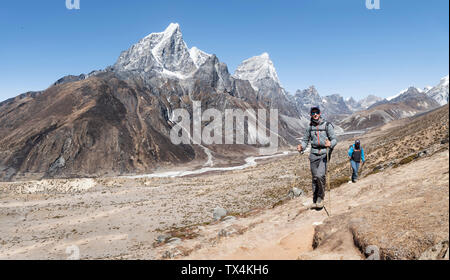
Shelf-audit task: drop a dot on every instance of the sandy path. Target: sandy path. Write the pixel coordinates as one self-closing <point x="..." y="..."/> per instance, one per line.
<point x="274" y="234"/>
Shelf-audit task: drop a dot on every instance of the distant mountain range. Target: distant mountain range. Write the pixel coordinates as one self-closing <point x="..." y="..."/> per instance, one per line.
<point x="118" y="120"/>
<point x="406" y="104"/>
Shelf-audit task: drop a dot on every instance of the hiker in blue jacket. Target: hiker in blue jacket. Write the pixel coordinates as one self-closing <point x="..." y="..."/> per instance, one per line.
<point x="356" y="155"/>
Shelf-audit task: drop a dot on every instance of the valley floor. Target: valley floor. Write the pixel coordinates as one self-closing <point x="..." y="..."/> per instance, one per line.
<point x="402" y="210"/>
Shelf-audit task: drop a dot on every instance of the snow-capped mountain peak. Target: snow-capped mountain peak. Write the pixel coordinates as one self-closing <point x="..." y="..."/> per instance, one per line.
<point x="172" y="28"/>
<point x="398" y="94"/>
<point x="440" y="92"/>
<point x="427" y="89"/>
<point x="256" y="69"/>
<point x="369" y="101"/>
<point x="171" y="36"/>
<point x="198" y="56"/>
<point x="265" y="56"/>
<point x="164" y="52"/>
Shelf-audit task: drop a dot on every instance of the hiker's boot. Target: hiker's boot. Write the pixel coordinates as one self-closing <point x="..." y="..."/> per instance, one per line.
<point x="319" y="204"/>
<point x="313" y="205"/>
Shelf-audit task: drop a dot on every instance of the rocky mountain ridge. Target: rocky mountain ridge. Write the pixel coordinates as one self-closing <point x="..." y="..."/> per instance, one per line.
<point x="118" y="120"/>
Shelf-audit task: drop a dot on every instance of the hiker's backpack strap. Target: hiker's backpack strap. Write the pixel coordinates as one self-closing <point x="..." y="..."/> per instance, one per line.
<point x="328" y="136"/>
<point x="310" y="130"/>
<point x="326" y="128"/>
<point x="321" y="129"/>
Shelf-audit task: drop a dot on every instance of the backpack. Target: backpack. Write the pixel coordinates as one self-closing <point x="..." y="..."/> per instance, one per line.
<point x="326" y="130"/>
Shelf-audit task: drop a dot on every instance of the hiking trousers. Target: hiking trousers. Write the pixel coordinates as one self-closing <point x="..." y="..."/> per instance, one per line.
<point x="355" y="167"/>
<point x="318" y="164"/>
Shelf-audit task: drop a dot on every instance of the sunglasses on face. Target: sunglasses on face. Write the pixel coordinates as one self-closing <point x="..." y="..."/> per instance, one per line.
<point x="315" y="113"/>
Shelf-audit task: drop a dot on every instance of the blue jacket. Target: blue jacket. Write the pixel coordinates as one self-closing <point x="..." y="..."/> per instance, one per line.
<point x="350" y="152"/>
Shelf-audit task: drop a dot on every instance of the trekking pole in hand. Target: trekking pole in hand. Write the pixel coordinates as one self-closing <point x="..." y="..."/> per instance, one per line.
<point x="301" y="152"/>
<point x="351" y="170"/>
<point x="328" y="180"/>
<point x="360" y="169"/>
<point x="303" y="209"/>
<point x="297" y="184"/>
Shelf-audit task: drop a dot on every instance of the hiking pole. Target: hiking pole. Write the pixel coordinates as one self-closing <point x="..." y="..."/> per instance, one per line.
<point x="297" y="184"/>
<point x="351" y="170"/>
<point x="360" y="170"/>
<point x="328" y="181"/>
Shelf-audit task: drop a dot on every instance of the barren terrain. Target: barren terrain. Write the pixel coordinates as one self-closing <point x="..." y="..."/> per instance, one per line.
<point x="400" y="205"/>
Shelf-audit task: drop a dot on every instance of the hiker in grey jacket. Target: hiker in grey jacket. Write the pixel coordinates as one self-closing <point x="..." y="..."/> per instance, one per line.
<point x="321" y="135"/>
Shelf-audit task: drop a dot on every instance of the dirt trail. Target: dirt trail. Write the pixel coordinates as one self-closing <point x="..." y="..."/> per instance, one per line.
<point x="272" y="234"/>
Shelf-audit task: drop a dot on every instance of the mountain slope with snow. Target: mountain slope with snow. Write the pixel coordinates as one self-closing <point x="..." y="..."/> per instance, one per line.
<point x="369" y="101"/>
<point x="132" y="102"/>
<point x="198" y="56"/>
<point x="163" y="53"/>
<point x="332" y="106"/>
<point x="257" y="70"/>
<point x="308" y="98"/>
<point x="440" y="92"/>
<point x="405" y="104"/>
<point x="260" y="72"/>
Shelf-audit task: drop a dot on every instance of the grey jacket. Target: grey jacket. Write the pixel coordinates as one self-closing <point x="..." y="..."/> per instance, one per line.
<point x="317" y="135"/>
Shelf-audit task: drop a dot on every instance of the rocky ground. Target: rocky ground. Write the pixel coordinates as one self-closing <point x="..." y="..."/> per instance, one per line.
<point x="400" y="205"/>
<point x="402" y="218"/>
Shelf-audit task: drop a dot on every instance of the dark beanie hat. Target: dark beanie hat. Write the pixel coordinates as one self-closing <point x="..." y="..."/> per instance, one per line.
<point x="315" y="109"/>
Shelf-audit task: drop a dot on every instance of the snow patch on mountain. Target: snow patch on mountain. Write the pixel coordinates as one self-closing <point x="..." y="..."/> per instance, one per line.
<point x="369" y="101"/>
<point x="441" y="91"/>
<point x="163" y="52"/>
<point x="397" y="95"/>
<point x="256" y="69"/>
<point x="198" y="56"/>
<point x="427" y="89"/>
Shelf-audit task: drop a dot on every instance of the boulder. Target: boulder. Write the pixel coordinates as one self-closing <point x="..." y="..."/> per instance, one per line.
<point x="295" y="192"/>
<point x="162" y="238"/>
<point x="218" y="213"/>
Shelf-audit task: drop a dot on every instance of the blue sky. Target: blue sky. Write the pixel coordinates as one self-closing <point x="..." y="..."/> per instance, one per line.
<point x="337" y="45"/>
